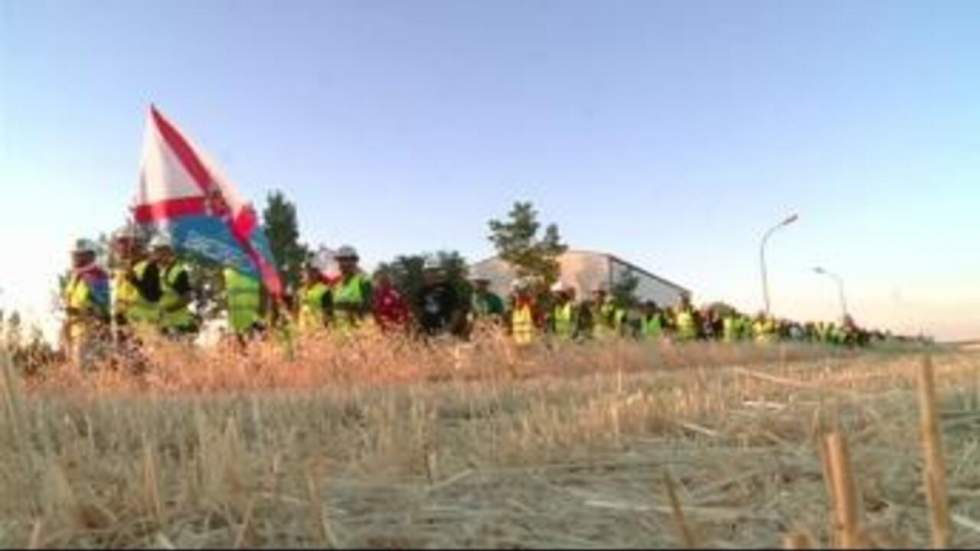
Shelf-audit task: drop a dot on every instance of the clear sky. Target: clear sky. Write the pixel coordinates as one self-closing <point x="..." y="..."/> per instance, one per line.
<point x="672" y="134"/>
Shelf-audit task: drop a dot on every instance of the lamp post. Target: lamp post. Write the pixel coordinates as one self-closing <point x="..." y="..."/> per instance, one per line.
<point x="840" y="288"/>
<point x="762" y="256"/>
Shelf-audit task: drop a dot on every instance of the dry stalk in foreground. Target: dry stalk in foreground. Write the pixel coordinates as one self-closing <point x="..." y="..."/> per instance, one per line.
<point x="798" y="539"/>
<point x="845" y="500"/>
<point x="935" y="469"/>
<point x="364" y="446"/>
<point x="687" y="538"/>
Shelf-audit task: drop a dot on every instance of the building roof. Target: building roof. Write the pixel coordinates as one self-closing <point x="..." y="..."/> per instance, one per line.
<point x="615" y="258"/>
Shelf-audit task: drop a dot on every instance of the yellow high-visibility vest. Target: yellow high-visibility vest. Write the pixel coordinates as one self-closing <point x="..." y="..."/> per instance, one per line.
<point x="729" y="329"/>
<point x="127" y="301"/>
<point x="169" y="297"/>
<point x="311" y="306"/>
<point x="522" y="324"/>
<point x="348" y="294"/>
<point x="89" y="314"/>
<point x="609" y="320"/>
<point x="244" y="295"/>
<point x="564" y="321"/>
<point x="653" y="327"/>
<point x="686" y="329"/>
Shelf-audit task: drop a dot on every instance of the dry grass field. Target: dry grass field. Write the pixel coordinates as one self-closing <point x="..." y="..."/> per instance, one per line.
<point x="400" y="445"/>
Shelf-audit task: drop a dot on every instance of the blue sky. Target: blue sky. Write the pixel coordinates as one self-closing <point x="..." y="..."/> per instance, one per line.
<point x="669" y="133"/>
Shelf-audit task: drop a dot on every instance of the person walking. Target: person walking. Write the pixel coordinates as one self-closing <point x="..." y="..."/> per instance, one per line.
<point x="352" y="293"/>
<point x="135" y="286"/>
<point x="391" y="311"/>
<point x="522" y="314"/>
<point x="175" y="317"/>
<point x="440" y="310"/>
<point x="86" y="303"/>
<point x="564" y="315"/>
<point x="485" y="305"/>
<point x="315" y="301"/>
<point x="607" y="316"/>
<point x="686" y="321"/>
<point x="243" y="294"/>
<point x="651" y="322"/>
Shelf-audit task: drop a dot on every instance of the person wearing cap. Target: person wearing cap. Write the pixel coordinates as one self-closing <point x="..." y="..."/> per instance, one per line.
<point x="86" y="302"/>
<point x="352" y="293"/>
<point x="484" y="303"/>
<point x="135" y="283"/>
<point x="440" y="310"/>
<point x="176" y="293"/>
<point x="564" y="315"/>
<point x="243" y="294"/>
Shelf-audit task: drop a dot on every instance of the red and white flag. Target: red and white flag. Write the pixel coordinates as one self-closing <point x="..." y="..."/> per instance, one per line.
<point x="183" y="193"/>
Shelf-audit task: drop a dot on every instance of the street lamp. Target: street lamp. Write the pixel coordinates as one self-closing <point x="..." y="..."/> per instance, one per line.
<point x="840" y="287"/>
<point x="762" y="256"/>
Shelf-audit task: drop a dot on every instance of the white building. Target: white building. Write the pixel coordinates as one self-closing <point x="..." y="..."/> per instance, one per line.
<point x="586" y="270"/>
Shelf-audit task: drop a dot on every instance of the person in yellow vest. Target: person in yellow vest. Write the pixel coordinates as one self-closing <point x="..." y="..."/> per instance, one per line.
<point x="135" y="290"/>
<point x="86" y="303"/>
<point x="135" y="285"/>
<point x="764" y="328"/>
<point x="522" y="314"/>
<point x="243" y="293"/>
<point x="352" y="300"/>
<point x="730" y="327"/>
<point x="175" y="317"/>
<point x="686" y="321"/>
<point x="607" y="316"/>
<point x="652" y="322"/>
<point x="564" y="314"/>
<point x="315" y="301"/>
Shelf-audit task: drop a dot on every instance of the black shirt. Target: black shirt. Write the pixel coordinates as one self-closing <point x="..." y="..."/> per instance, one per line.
<point x="436" y="304"/>
<point x="149" y="284"/>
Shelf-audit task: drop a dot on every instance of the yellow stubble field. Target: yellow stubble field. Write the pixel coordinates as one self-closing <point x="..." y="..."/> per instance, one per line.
<point x="389" y="443"/>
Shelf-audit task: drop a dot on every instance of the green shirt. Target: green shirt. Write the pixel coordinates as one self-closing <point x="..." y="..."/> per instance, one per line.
<point x="486" y="304"/>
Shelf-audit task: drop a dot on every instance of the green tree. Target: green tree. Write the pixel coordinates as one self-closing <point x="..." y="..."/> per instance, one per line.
<point x="517" y="242"/>
<point x="623" y="290"/>
<point x="282" y="229"/>
<point x="405" y="272"/>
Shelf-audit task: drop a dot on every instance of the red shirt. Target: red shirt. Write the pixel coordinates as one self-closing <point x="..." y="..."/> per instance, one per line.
<point x="390" y="309"/>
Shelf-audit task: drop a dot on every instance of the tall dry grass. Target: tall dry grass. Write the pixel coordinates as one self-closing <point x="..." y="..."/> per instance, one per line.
<point x="400" y="444"/>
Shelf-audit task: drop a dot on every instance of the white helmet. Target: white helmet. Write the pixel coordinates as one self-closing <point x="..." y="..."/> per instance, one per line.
<point x="125" y="232"/>
<point x="161" y="240"/>
<point x="84" y="246"/>
<point x="519" y="284"/>
<point x="431" y="263"/>
<point x="346" y="251"/>
<point x="559" y="287"/>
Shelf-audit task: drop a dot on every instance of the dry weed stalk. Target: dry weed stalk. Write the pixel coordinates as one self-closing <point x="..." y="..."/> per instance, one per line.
<point x="845" y="500"/>
<point x="686" y="536"/>
<point x="935" y="468"/>
<point x="151" y="484"/>
<point x="228" y="456"/>
<point x="798" y="539"/>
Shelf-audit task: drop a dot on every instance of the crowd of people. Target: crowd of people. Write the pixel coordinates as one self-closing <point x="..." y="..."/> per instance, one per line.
<point x="147" y="285"/>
